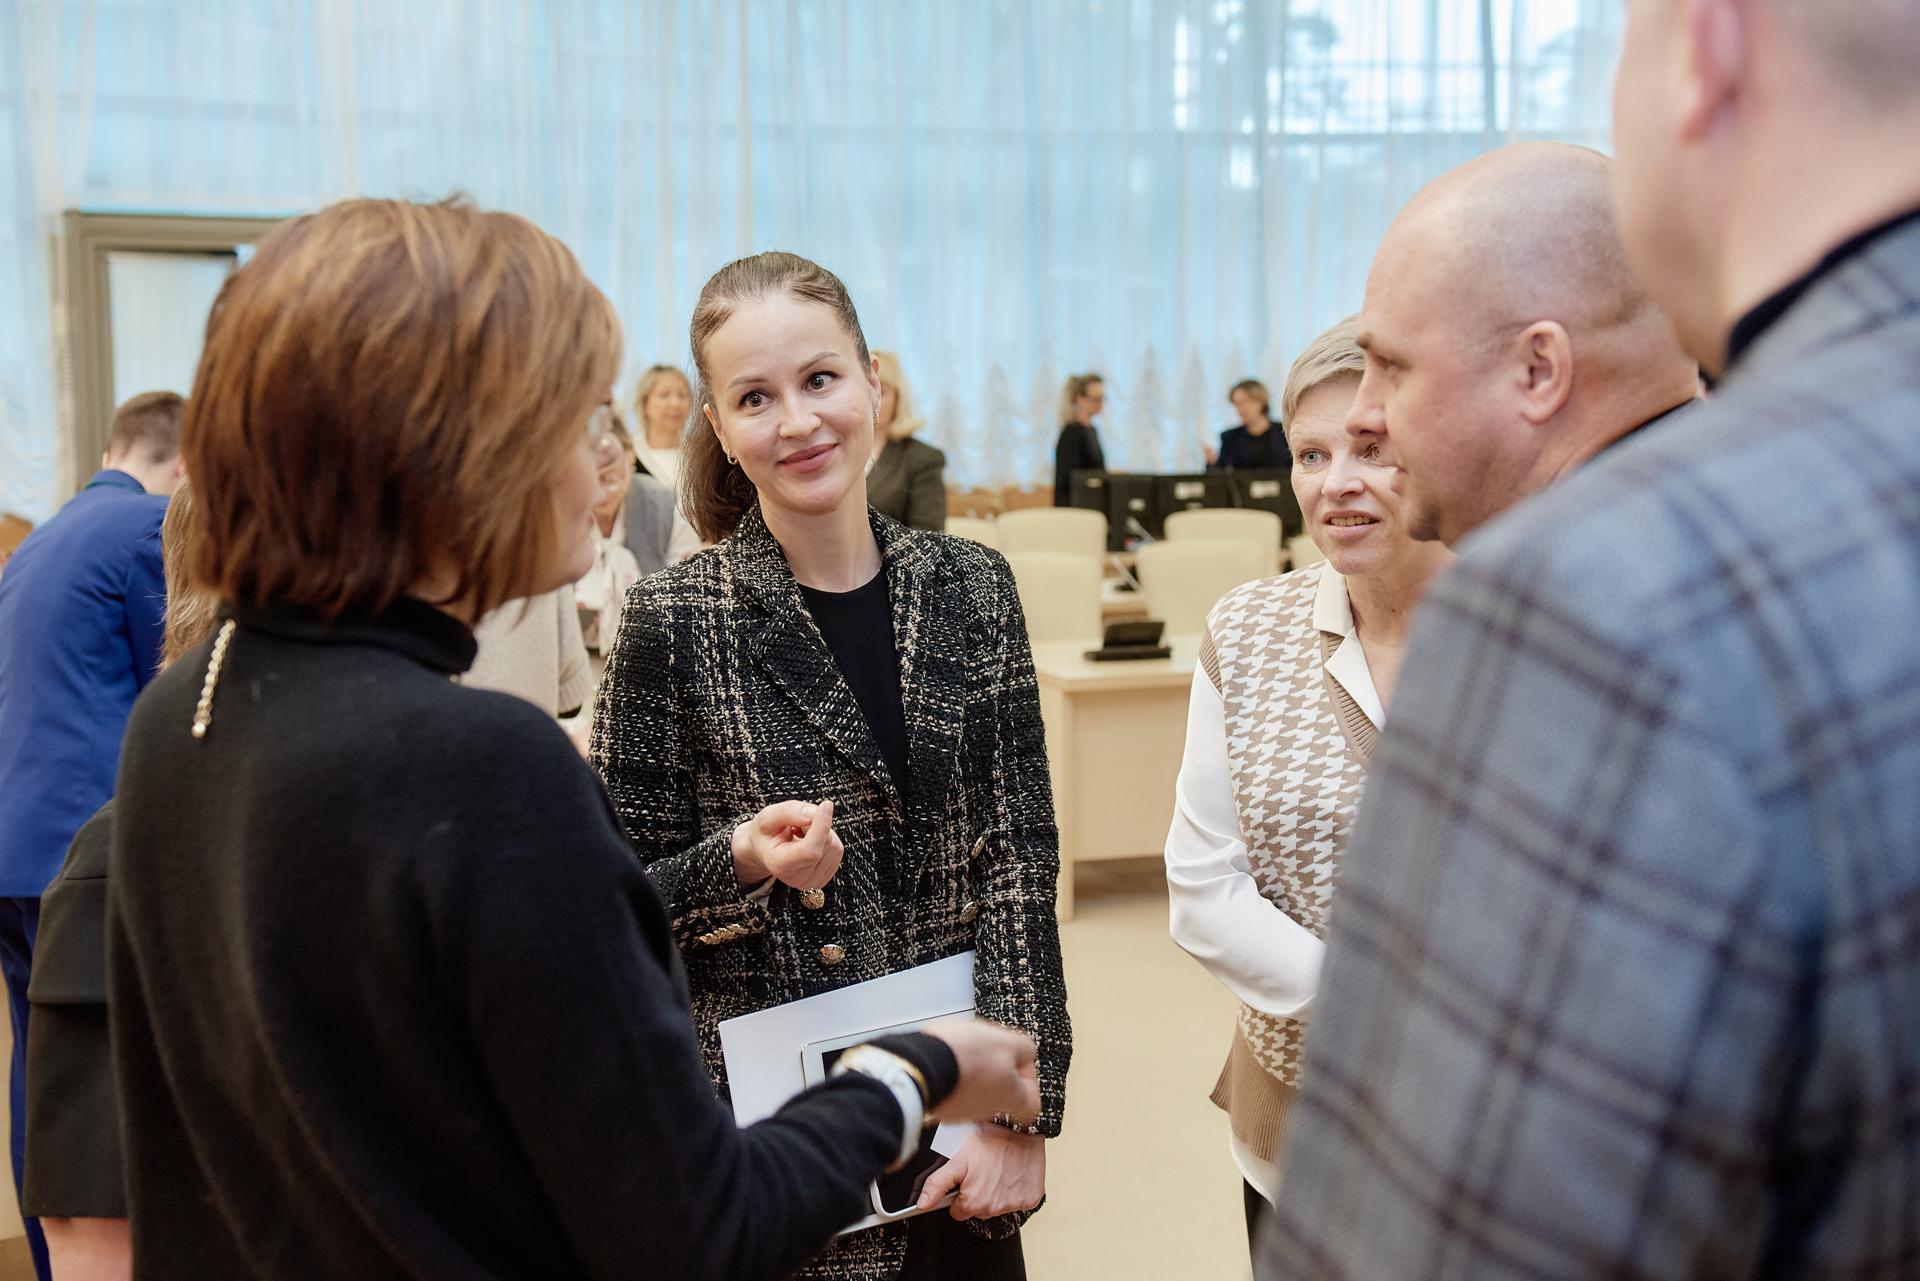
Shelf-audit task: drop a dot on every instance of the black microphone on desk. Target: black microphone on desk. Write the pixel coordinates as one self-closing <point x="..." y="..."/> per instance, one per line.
<point x="1139" y="531"/>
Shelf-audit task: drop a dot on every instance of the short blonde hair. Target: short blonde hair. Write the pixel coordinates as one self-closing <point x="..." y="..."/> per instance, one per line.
<point x="1254" y="388"/>
<point x="906" y="418"/>
<point x="388" y="388"/>
<point x="1332" y="356"/>
<point x="652" y="378"/>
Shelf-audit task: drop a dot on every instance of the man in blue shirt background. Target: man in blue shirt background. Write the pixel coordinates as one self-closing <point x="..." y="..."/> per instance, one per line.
<point x="81" y="602"/>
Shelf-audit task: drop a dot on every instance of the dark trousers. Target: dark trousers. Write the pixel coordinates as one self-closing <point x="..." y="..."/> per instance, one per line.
<point x="941" y="1248"/>
<point x="1258" y="1212"/>
<point x="19" y="923"/>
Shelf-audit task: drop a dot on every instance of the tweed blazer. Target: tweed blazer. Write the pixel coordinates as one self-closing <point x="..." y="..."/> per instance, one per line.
<point x="1624" y="976"/>
<point x="720" y="697"/>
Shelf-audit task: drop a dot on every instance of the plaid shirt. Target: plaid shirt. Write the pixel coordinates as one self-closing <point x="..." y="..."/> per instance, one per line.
<point x="1624" y="970"/>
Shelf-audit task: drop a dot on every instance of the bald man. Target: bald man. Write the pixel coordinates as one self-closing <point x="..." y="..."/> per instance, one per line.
<point x="1507" y="342"/>
<point x="1625" y="976"/>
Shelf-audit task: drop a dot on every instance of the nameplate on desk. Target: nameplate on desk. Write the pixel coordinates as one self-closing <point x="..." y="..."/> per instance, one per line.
<point x="1129" y="653"/>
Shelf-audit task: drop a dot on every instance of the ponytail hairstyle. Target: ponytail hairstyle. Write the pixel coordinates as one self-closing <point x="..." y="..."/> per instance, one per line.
<point x="716" y="493"/>
<point x="1075" y="388"/>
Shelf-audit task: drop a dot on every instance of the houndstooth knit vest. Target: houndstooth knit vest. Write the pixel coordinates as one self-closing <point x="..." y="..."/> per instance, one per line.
<point x="1297" y="749"/>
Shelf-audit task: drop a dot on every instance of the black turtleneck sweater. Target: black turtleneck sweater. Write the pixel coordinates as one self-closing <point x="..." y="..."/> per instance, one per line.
<point x="391" y="996"/>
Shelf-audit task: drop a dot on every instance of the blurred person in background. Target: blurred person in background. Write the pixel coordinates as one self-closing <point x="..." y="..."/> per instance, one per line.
<point x="74" y="1182"/>
<point x="661" y="401"/>
<point x="389" y="995"/>
<point x="81" y="606"/>
<point x="1297" y="668"/>
<point x="1078" y="446"/>
<point x="633" y="523"/>
<point x="1257" y="441"/>
<point x="829" y="681"/>
<point x="534" y="648"/>
<point x="908" y="478"/>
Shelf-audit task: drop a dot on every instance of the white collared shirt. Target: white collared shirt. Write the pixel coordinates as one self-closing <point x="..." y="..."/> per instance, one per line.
<point x="662" y="464"/>
<point x="1333" y="613"/>
<point x="1263" y="956"/>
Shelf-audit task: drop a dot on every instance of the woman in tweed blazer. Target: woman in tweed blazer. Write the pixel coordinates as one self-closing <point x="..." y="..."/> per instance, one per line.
<point x="732" y="733"/>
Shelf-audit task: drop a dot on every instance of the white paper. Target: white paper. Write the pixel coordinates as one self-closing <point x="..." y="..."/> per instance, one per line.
<point x="775" y="1053"/>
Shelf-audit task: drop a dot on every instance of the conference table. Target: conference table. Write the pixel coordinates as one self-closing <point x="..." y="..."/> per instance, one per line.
<point x="1115" y="733"/>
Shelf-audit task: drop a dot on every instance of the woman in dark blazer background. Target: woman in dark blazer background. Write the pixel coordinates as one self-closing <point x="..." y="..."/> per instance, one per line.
<point x="908" y="478"/>
<point x="825" y="667"/>
<point x="1078" y="447"/>
<point x="1257" y="441"/>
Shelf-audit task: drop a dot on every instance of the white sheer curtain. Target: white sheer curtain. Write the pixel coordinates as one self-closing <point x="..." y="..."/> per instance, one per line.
<point x="1178" y="193"/>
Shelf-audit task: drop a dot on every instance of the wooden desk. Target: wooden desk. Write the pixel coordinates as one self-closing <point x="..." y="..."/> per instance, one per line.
<point x="1115" y="734"/>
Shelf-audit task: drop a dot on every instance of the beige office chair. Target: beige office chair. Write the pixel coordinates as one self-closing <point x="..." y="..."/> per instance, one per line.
<point x="972" y="527"/>
<point x="1303" y="551"/>
<point x="1260" y="530"/>
<point x="1060" y="595"/>
<point x="1182" y="580"/>
<point x="1053" y="529"/>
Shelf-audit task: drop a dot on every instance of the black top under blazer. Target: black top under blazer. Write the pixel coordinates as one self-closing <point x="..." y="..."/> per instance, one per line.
<point x="1240" y="449"/>
<point x="720" y="697"/>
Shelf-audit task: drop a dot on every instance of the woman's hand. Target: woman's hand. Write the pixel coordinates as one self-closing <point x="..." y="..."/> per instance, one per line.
<point x="793" y="842"/>
<point x="997" y="1172"/>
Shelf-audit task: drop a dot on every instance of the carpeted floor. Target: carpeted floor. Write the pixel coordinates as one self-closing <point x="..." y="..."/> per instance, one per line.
<point x="1140" y="1186"/>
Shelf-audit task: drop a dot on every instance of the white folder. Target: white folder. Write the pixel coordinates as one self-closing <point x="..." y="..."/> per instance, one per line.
<point x="775" y="1053"/>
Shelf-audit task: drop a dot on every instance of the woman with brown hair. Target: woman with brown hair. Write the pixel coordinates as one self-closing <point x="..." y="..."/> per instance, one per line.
<point x="389" y="995"/>
<point x="826" y="672"/>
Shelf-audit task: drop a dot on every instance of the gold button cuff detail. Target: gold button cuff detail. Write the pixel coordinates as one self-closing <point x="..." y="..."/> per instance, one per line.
<point x="725" y="934"/>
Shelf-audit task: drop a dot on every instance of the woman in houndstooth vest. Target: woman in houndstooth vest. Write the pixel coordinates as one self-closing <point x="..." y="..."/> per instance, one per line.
<point x="1294" y="677"/>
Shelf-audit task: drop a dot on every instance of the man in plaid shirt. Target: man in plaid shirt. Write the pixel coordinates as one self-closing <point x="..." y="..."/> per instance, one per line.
<point x="1624" y="974"/>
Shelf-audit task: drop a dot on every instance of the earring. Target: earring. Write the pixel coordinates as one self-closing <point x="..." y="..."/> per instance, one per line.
<point x="731" y="460"/>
